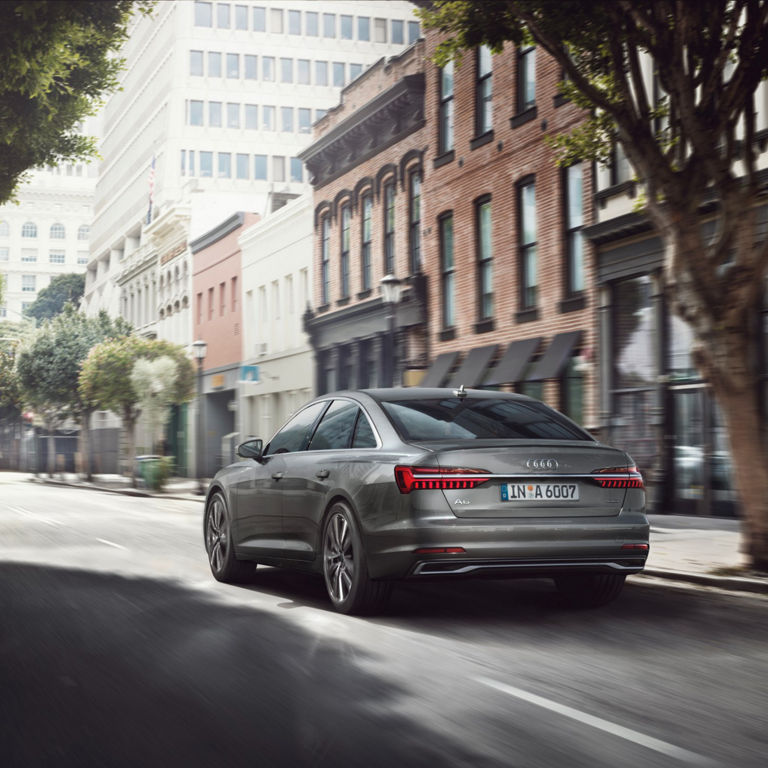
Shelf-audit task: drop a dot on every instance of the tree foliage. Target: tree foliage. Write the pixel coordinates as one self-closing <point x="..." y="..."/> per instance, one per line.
<point x="57" y="60"/>
<point x="687" y="124"/>
<point x="62" y="289"/>
<point x="154" y="382"/>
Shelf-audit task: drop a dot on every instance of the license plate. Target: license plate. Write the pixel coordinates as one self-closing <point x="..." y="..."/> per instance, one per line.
<point x="540" y="492"/>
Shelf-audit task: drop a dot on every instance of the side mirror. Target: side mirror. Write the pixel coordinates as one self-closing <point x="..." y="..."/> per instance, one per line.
<point x="251" y="449"/>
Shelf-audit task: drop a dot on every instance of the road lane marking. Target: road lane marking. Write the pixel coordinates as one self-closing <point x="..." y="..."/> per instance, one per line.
<point x="27" y="513"/>
<point x="112" y="544"/>
<point x="597" y="722"/>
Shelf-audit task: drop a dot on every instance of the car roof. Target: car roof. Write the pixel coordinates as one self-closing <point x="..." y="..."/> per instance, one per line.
<point x="389" y="394"/>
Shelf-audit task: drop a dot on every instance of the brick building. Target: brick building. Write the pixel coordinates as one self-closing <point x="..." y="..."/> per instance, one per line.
<point x="366" y="165"/>
<point x="511" y="302"/>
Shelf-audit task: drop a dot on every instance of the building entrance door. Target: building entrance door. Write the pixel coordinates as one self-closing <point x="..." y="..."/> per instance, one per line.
<point x="701" y="463"/>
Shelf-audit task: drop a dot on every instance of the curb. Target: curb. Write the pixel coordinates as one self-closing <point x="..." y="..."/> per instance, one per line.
<point x="730" y="583"/>
<point x="122" y="491"/>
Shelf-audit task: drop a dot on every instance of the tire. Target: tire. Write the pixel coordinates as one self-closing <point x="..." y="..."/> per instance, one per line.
<point x="218" y="544"/>
<point x="590" y="590"/>
<point x="345" y="569"/>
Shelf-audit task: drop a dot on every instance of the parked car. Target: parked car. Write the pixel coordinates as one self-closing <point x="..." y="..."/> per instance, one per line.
<point x="374" y="486"/>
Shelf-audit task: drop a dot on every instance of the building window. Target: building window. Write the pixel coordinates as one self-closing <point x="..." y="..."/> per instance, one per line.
<point x="413" y="31"/>
<point x="414" y="221"/>
<point x="484" y="91"/>
<point x="286" y="70"/>
<point x="251" y="116"/>
<point x="82" y="257"/>
<point x="83" y="232"/>
<point x="276" y="21"/>
<point x="278" y="168"/>
<point x="297" y="170"/>
<point x="4" y="253"/>
<point x="363" y="28"/>
<point x="196" y="63"/>
<point x="259" y="19"/>
<point x="329" y="25"/>
<point x="526" y="78"/>
<point x="28" y="256"/>
<point x="286" y="119"/>
<point x="225" y="165"/>
<point x="346" y="27"/>
<point x="222" y="298"/>
<point x="398" y="31"/>
<point x="572" y="392"/>
<point x="325" y="255"/>
<point x="195" y="112"/>
<point x="484" y="258"/>
<point x="338" y="74"/>
<point x="233" y="301"/>
<point x="379" y="30"/>
<point x="305" y="120"/>
<point x="312" y="24"/>
<point x="355" y="70"/>
<point x="233" y="65"/>
<point x="5" y="229"/>
<point x="302" y="71"/>
<point x="241" y="17"/>
<point x="242" y="166"/>
<point x="57" y="232"/>
<point x="28" y="283"/>
<point x="29" y="229"/>
<point x="445" y="138"/>
<point x="233" y="115"/>
<point x="260" y="167"/>
<point x="214" y="64"/>
<point x="268" y="118"/>
<point x="321" y="73"/>
<point x="206" y="163"/>
<point x="222" y="15"/>
<point x="268" y="68"/>
<point x="527" y="236"/>
<point x="203" y="14"/>
<point x="320" y="114"/>
<point x="210" y="303"/>
<point x="214" y="114"/>
<point x="389" y="227"/>
<point x="294" y="22"/>
<point x="199" y="307"/>
<point x="365" y="242"/>
<point x="346" y="216"/>
<point x="56" y="257"/>
<point x="251" y="66"/>
<point x="447" y="284"/>
<point x="191" y="162"/>
<point x="574" y="221"/>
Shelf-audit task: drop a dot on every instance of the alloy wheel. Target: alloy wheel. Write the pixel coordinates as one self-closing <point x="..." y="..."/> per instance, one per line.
<point x="216" y="534"/>
<point x="339" y="560"/>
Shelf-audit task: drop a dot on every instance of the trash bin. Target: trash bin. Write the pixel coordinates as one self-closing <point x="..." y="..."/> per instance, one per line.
<point x="148" y="469"/>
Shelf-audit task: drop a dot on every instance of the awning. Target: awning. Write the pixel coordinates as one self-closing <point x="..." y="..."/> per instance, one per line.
<point x="554" y="359"/>
<point x="438" y="372"/>
<point x="510" y="368"/>
<point x="474" y="366"/>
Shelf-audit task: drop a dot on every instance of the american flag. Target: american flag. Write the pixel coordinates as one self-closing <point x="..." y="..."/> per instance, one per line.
<point x="151" y="189"/>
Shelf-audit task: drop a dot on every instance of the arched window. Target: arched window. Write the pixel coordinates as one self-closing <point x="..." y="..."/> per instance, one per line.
<point x="57" y="232"/>
<point x="84" y="232"/>
<point x="29" y="229"/>
<point x="4" y="229"/>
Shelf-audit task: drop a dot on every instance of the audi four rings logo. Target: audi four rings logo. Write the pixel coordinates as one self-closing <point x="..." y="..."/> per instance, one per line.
<point x="542" y="464"/>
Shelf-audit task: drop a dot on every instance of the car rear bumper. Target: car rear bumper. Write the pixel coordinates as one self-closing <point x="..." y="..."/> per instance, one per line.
<point x="522" y="548"/>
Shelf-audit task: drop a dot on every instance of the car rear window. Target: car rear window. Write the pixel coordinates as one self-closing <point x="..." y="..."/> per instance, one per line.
<point x="480" y="419"/>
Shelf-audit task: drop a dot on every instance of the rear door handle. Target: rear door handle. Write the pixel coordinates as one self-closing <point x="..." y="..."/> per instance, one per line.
<point x="322" y="474"/>
<point x="278" y="475"/>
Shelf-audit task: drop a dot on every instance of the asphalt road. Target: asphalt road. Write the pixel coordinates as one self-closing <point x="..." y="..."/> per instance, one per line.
<point x="118" y="649"/>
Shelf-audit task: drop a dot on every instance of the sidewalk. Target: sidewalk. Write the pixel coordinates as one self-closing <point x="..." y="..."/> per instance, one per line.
<point x="696" y="550"/>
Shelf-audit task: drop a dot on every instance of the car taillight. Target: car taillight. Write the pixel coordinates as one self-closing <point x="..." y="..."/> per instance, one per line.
<point x="619" y="477"/>
<point x="435" y="478"/>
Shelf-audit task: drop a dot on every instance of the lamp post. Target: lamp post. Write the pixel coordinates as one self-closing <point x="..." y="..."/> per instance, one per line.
<point x="391" y="287"/>
<point x="199" y="348"/>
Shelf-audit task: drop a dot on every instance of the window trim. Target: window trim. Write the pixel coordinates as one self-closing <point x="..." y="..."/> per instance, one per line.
<point x="325" y="260"/>
<point x="446" y="275"/>
<point x="445" y="113"/>
<point x="414" y="224"/>
<point x="524" y="247"/>
<point x="366" y="243"/>
<point x="483" y="264"/>
<point x="483" y="102"/>
<point x="345" y="221"/>
<point x="569" y="292"/>
<point x="388" y="239"/>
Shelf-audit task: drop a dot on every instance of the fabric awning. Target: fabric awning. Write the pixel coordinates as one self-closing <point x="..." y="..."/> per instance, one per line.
<point x="474" y="366"/>
<point x="438" y="371"/>
<point x="510" y="368"/>
<point x="554" y="359"/>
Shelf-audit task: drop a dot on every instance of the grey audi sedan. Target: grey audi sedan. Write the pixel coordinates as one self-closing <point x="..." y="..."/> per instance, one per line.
<point x="378" y="485"/>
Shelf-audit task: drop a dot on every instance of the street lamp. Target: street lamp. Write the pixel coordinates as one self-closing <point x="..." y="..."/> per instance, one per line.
<point x="391" y="287"/>
<point x="199" y="348"/>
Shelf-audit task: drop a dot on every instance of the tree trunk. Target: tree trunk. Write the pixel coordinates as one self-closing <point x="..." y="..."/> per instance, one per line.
<point x="50" y="453"/>
<point x="85" y="445"/>
<point x="129" y="431"/>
